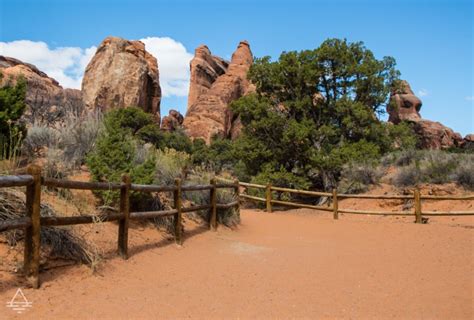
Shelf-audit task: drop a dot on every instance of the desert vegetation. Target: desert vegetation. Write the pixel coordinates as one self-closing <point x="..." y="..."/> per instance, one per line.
<point x="313" y="122"/>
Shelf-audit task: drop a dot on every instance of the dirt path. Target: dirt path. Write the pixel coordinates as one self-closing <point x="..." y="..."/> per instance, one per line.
<point x="281" y="265"/>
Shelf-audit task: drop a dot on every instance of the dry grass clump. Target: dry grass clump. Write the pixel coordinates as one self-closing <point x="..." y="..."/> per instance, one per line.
<point x="437" y="167"/>
<point x="229" y="217"/>
<point x="357" y="177"/>
<point x="56" y="242"/>
<point x="64" y="148"/>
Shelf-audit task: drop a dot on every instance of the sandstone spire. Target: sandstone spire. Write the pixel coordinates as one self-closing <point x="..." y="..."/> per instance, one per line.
<point x="209" y="113"/>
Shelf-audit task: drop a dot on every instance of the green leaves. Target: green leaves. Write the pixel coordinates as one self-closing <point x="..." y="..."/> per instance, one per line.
<point x="315" y="110"/>
<point x="12" y="106"/>
<point x="116" y="151"/>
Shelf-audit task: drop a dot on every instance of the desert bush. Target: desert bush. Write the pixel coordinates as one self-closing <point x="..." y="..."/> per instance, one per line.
<point x="12" y="106"/>
<point x="357" y="177"/>
<point x="438" y="167"/>
<point x="73" y="141"/>
<point x="229" y="217"/>
<point x="37" y="139"/>
<point x="408" y="176"/>
<point x="170" y="164"/>
<point x="464" y="173"/>
<point x="407" y="157"/>
<point x="56" y="242"/>
<point x="78" y="137"/>
<point x="115" y="154"/>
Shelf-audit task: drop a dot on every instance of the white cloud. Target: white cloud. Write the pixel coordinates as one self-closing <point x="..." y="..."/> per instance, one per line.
<point x="67" y="64"/>
<point x="469" y="98"/>
<point x="423" y="92"/>
<point x="173" y="62"/>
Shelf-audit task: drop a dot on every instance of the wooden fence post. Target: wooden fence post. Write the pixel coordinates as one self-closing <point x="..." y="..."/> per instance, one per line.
<point x="417" y="198"/>
<point x="237" y="195"/>
<point x="33" y="232"/>
<point x="335" y="205"/>
<point x="177" y="216"/>
<point x="268" y="197"/>
<point x="213" y="203"/>
<point x="125" y="220"/>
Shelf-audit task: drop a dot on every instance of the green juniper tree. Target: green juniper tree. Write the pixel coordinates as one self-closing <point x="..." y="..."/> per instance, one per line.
<point x="314" y="111"/>
<point x="12" y="106"/>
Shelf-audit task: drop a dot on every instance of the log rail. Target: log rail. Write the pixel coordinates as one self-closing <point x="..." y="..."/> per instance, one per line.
<point x="334" y="198"/>
<point x="33" y="222"/>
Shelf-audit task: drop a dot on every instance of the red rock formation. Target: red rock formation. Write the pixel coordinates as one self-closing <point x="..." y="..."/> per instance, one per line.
<point x="209" y="114"/>
<point x="121" y="74"/>
<point x="205" y="69"/>
<point x="468" y="142"/>
<point x="173" y="121"/>
<point x="405" y="106"/>
<point x="434" y="135"/>
<point x="47" y="102"/>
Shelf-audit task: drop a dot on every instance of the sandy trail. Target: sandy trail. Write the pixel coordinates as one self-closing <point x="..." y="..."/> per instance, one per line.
<point x="297" y="264"/>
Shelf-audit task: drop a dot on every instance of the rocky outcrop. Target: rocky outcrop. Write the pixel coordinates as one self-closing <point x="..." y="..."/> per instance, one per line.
<point x="47" y="102"/>
<point x="173" y="121"/>
<point x="205" y="69"/>
<point x="405" y="106"/>
<point x="121" y="74"/>
<point x="209" y="114"/>
<point x="468" y="142"/>
<point x="434" y="135"/>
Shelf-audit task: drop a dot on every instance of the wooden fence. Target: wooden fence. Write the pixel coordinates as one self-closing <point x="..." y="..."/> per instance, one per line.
<point x="33" y="222"/>
<point x="335" y="196"/>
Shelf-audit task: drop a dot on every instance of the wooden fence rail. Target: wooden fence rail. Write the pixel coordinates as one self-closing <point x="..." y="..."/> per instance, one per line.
<point x="33" y="222"/>
<point x="334" y="197"/>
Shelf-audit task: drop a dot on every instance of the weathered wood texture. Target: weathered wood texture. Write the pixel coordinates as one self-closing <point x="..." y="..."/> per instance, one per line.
<point x="213" y="209"/>
<point x="268" y="197"/>
<point x="125" y="219"/>
<point x="416" y="197"/>
<point x="301" y="205"/>
<point x="33" y="231"/>
<point x="80" y="185"/>
<point x="178" y="216"/>
<point x="15" y="181"/>
<point x="18" y="223"/>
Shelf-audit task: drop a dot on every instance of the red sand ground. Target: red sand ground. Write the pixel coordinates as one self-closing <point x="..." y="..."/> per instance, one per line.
<point x="296" y="264"/>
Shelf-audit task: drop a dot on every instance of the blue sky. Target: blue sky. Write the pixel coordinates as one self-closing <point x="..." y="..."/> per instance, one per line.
<point x="432" y="41"/>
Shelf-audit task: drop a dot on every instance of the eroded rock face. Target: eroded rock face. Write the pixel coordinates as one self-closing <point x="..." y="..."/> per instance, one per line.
<point x="404" y="105"/>
<point x="209" y="114"/>
<point x="47" y="102"/>
<point x="468" y="142"/>
<point x="173" y="121"/>
<point x="121" y="74"/>
<point x="434" y="135"/>
<point x="205" y="69"/>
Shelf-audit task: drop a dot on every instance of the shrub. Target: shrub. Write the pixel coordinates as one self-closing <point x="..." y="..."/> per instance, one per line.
<point x="78" y="137"/>
<point x="229" y="217"/>
<point x="438" y="167"/>
<point x="408" y="176"/>
<point x="37" y="139"/>
<point x="357" y="177"/>
<point x="55" y="242"/>
<point x="12" y="106"/>
<point x="170" y="164"/>
<point x="115" y="154"/>
<point x="464" y="174"/>
<point x="407" y="157"/>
